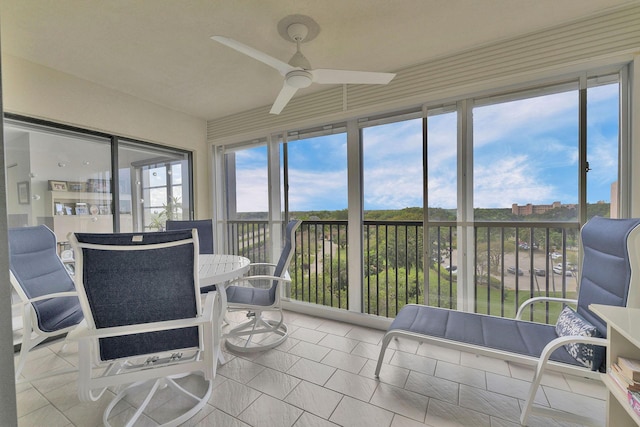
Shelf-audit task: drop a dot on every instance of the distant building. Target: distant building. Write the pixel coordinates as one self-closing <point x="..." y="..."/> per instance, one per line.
<point x="530" y="209"/>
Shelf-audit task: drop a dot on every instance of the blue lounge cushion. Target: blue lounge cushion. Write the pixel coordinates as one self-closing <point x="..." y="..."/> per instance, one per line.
<point x="515" y="336"/>
<point x="571" y="323"/>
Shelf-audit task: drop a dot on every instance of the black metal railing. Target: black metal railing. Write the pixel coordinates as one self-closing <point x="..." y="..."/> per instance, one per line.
<point x="511" y="261"/>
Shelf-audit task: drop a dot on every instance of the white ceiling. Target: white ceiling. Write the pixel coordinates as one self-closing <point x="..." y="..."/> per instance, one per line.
<point x="161" y="51"/>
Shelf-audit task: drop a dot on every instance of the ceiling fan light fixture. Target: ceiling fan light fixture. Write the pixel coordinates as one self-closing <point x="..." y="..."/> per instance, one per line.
<point x="299" y="79"/>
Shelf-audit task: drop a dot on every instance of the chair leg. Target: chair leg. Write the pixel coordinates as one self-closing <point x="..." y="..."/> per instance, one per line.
<point x="242" y="338"/>
<point x="385" y="344"/>
<point x="159" y="384"/>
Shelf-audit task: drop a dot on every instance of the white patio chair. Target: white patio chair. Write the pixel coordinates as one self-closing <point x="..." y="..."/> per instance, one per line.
<point x="260" y="333"/>
<point x="48" y="301"/>
<point x="144" y="327"/>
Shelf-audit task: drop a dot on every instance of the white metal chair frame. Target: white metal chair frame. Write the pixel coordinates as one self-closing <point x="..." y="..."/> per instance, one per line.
<point x="160" y="369"/>
<point x="270" y="333"/>
<point x="32" y="335"/>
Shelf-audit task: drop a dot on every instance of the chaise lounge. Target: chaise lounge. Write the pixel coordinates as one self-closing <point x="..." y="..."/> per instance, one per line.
<point x="609" y="275"/>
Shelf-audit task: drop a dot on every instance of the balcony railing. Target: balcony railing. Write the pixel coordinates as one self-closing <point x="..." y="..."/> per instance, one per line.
<point x="512" y="261"/>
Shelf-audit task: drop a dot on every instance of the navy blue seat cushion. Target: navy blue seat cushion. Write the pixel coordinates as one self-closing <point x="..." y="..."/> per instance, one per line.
<point x="135" y="287"/>
<point x="34" y="261"/>
<point x="521" y="337"/>
<point x="249" y="295"/>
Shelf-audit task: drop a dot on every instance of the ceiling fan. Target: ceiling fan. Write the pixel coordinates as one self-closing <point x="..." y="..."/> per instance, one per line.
<point x="298" y="73"/>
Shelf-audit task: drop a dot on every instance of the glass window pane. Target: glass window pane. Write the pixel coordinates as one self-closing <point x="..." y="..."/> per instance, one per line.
<point x="442" y="173"/>
<point x="154" y="185"/>
<point x="525" y="155"/>
<point x="247" y="179"/>
<point x="393" y="170"/>
<point x="602" y="150"/>
<point x="58" y="178"/>
<point x="317" y="172"/>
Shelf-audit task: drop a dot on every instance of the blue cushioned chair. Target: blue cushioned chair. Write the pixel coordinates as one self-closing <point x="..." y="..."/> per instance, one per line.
<point x="144" y="324"/>
<point x="611" y="253"/>
<point x="48" y="298"/>
<point x="245" y="294"/>
<point x="205" y="231"/>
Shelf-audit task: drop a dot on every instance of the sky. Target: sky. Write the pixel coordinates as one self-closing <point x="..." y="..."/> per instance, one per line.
<point x="524" y="151"/>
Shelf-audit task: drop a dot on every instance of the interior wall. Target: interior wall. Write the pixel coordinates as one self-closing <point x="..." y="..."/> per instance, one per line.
<point x="40" y="92"/>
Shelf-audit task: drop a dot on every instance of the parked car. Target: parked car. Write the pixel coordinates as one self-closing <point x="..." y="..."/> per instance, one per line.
<point x="512" y="270"/>
<point x="540" y="272"/>
<point x="453" y="269"/>
<point x="558" y="270"/>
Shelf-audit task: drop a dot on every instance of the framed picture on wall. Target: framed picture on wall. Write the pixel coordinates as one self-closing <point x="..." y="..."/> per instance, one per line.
<point x="57" y="185"/>
<point x="23" y="193"/>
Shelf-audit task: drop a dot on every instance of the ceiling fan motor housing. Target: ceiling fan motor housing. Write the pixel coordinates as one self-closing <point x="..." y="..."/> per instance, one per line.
<point x="299" y="79"/>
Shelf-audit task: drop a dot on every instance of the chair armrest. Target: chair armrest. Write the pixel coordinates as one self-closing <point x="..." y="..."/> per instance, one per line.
<point x="83" y="332"/>
<point x="534" y="300"/>
<point x="560" y="341"/>
<point x="260" y="277"/>
<point x="44" y="297"/>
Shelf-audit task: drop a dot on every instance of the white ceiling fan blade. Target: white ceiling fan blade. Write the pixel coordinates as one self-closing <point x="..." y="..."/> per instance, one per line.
<point x="286" y="93"/>
<point x="324" y="76"/>
<point x="281" y="66"/>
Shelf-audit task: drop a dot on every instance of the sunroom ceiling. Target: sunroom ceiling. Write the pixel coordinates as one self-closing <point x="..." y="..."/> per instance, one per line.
<point x="161" y="51"/>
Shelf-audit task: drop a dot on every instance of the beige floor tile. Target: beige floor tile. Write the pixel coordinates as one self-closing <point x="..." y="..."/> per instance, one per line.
<point x="335" y="328"/>
<point x="400" y="421"/>
<point x="355" y="413"/>
<point x="438" y="388"/>
<point x="311" y="371"/>
<point x="240" y="370"/>
<point x="442" y="414"/>
<point x="45" y="416"/>
<point x="274" y="383"/>
<point x="29" y="400"/>
<point x="461" y="374"/>
<point x="588" y="387"/>
<point x="313" y="398"/>
<point x="514" y="387"/>
<point x="217" y="418"/>
<point x="267" y="411"/>
<point x="413" y="362"/>
<point x="335" y="342"/>
<point x="310" y="351"/>
<point x="278" y="360"/>
<point x="440" y="353"/>
<point x="352" y="385"/>
<point x="490" y="403"/>
<point x="233" y="397"/>
<point x="404" y="344"/>
<point x="488" y="364"/>
<point x="309" y="322"/>
<point x="400" y="401"/>
<point x="345" y="361"/>
<point x="308" y="335"/>
<point x="551" y="379"/>
<point x="309" y="420"/>
<point x="368" y="335"/>
<point x="371" y="351"/>
<point x="576" y="404"/>
<point x="389" y="374"/>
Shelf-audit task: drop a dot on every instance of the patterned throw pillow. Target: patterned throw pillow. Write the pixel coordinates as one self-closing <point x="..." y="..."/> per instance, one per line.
<point x="571" y="323"/>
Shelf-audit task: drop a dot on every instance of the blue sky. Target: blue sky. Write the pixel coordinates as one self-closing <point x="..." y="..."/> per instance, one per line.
<point x="525" y="151"/>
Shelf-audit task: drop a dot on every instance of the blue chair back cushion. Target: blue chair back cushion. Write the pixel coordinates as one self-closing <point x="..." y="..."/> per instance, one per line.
<point x="285" y="256"/>
<point x="205" y="232"/>
<point x="134" y="287"/>
<point x="606" y="271"/>
<point x="33" y="260"/>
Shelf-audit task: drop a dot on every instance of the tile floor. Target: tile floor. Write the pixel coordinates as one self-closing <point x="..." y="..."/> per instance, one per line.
<point x="323" y="376"/>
